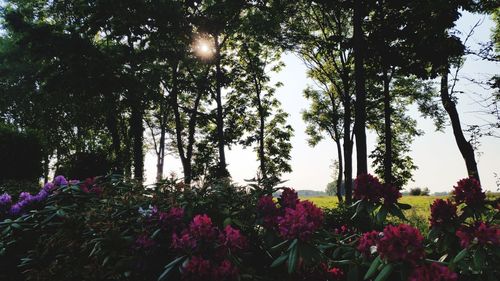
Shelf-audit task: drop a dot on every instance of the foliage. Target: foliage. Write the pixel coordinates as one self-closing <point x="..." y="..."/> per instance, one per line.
<point x="21" y="153"/>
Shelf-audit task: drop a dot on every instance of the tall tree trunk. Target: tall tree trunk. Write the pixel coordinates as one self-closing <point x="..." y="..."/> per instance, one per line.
<point x="340" y="172"/>
<point x="46" y="168"/>
<point x="127" y="148"/>
<point x="347" y="142"/>
<point x="387" y="130"/>
<point x="179" y="127"/>
<point x="464" y="146"/>
<point x="359" y="76"/>
<point x="137" y="128"/>
<point x="188" y="170"/>
<point x="262" y="126"/>
<point x="161" y="152"/>
<point x="222" y="169"/>
<point x="112" y="124"/>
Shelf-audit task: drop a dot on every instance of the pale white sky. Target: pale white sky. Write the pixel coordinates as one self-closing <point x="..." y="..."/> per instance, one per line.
<point x="436" y="154"/>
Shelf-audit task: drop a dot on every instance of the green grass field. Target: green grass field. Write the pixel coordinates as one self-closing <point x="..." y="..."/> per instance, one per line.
<point x="418" y="215"/>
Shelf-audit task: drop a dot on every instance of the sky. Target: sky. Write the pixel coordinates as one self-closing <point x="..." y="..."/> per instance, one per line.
<point x="435" y="153"/>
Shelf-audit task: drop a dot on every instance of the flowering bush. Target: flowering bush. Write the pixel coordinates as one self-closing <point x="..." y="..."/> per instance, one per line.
<point x="117" y="231"/>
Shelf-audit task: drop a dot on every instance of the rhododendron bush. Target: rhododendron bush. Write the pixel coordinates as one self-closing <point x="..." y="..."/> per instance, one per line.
<point x="108" y="229"/>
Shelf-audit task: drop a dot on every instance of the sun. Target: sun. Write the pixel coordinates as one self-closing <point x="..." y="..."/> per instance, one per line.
<point x="204" y="48"/>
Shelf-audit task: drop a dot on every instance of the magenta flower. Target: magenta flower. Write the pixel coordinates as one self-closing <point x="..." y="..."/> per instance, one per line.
<point x="367" y="241"/>
<point x="389" y="193"/>
<point x="267" y="210"/>
<point x="183" y="242"/>
<point x="289" y="198"/>
<point x="443" y="213"/>
<point x="232" y="239"/>
<point x="468" y="191"/>
<point x="144" y="242"/>
<point x="401" y="243"/>
<point x="335" y="274"/>
<point x="300" y="222"/>
<point x="226" y="271"/>
<point x="201" y="228"/>
<point x="481" y="234"/>
<point x="367" y="187"/>
<point x="197" y="269"/>
<point x="433" y="272"/>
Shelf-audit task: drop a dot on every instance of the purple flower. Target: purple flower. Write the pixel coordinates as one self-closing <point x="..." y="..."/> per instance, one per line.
<point x="41" y="196"/>
<point x="60" y="181"/>
<point x="15" y="210"/>
<point x="25" y="196"/>
<point x="48" y="187"/>
<point x="5" y="199"/>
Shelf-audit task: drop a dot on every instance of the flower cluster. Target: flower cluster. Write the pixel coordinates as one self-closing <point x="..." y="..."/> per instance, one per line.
<point x="144" y="242"/>
<point x="320" y="272"/>
<point x="5" y="202"/>
<point x="443" y="212"/>
<point x="367" y="244"/>
<point x="267" y="210"/>
<point x="433" y="272"/>
<point x="289" y="198"/>
<point x="300" y="222"/>
<point x="401" y="243"/>
<point x="480" y="233"/>
<point x="198" y="268"/>
<point x="293" y="219"/>
<point x="26" y="200"/>
<point x="468" y="191"/>
<point x="201" y="239"/>
<point x="369" y="188"/>
<point x="89" y="186"/>
<point x="232" y="239"/>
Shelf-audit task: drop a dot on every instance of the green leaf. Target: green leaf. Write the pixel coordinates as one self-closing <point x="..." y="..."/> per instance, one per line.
<point x="397" y="212"/>
<point x="460" y="256"/>
<point x="169" y="267"/>
<point x="279" y="261"/>
<point x="353" y="274"/>
<point x="385" y="272"/>
<point x="404" y="206"/>
<point x="292" y="259"/>
<point x="277" y="247"/>
<point x="480" y="258"/>
<point x="373" y="268"/>
<point x="381" y="215"/>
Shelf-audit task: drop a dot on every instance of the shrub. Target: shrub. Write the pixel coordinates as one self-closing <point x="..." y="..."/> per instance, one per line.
<point x="84" y="165"/>
<point x="21" y="154"/>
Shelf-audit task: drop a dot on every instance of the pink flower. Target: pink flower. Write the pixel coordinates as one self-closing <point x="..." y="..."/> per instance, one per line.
<point x="433" y="272"/>
<point x="232" y="239"/>
<point x="335" y="274"/>
<point x="201" y="228"/>
<point x="367" y="241"/>
<point x="144" y="242"/>
<point x="443" y="213"/>
<point x="197" y="269"/>
<point x="401" y="243"/>
<point x="367" y="187"/>
<point x="468" y="191"/>
<point x="300" y="222"/>
<point x="481" y="234"/>
<point x="184" y="242"/>
<point x="225" y="272"/>
<point x="390" y="194"/>
<point x="267" y="210"/>
<point x="289" y="198"/>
